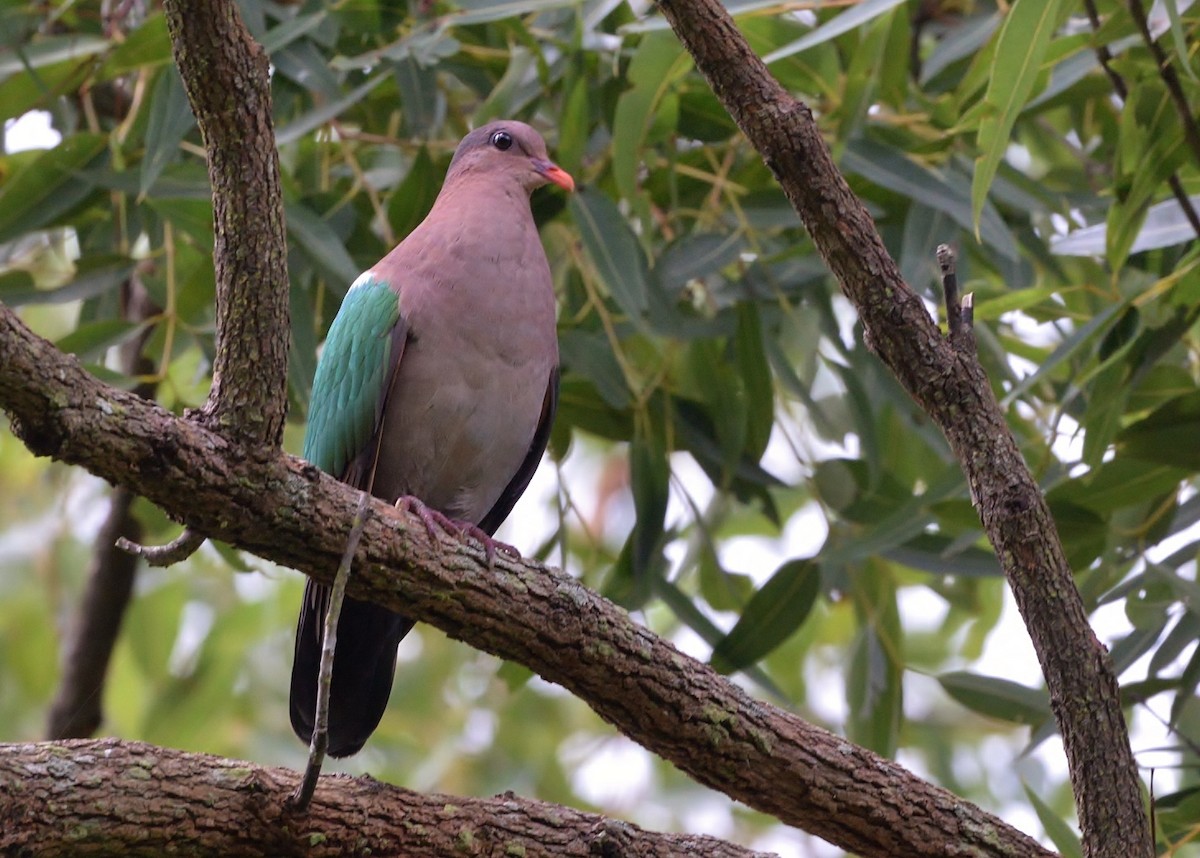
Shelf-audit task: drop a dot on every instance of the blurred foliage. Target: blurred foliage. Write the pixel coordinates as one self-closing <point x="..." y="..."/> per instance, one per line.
<point x="733" y="464"/>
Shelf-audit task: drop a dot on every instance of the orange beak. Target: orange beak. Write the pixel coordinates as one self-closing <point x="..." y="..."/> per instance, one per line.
<point x="555" y="174"/>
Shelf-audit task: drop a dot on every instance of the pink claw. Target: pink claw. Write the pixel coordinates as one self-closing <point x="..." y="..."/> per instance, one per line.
<point x="435" y="520"/>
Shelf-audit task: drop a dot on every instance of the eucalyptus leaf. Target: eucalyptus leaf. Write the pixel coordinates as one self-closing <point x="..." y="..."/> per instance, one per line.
<point x="996" y="697"/>
<point x="772" y="615"/>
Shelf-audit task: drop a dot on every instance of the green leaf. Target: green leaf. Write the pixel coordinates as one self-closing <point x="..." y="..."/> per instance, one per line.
<point x="95" y="275"/>
<point x="641" y="560"/>
<point x="722" y="589"/>
<point x="232" y="557"/>
<point x="1178" y="37"/>
<point x="1016" y="64"/>
<point x="1102" y="420"/>
<point x="997" y="698"/>
<point x="1119" y="483"/>
<point x="649" y="478"/>
<point x="514" y="89"/>
<point x="90" y="340"/>
<point x="1082" y="531"/>
<point x="695" y="433"/>
<point x="652" y="24"/>
<point x="486" y="11"/>
<point x="147" y="46"/>
<point x="1181" y="637"/>
<point x="1064" y="838"/>
<point x="755" y="371"/>
<point x="579" y="405"/>
<point x="772" y="615"/>
<point x="940" y="555"/>
<point x="514" y="676"/>
<point x="944" y="191"/>
<point x="190" y="703"/>
<point x="170" y="119"/>
<point x="52" y="183"/>
<point x="854" y="17"/>
<point x="874" y="686"/>
<point x="1176" y="814"/>
<point x="318" y="116"/>
<point x="1127" y="650"/>
<point x="22" y="93"/>
<point x="192" y="218"/>
<point x="685" y="609"/>
<point x="696" y="256"/>
<point x="152" y="626"/>
<point x="288" y="31"/>
<point x="1187" y="691"/>
<point x="572" y="131"/>
<point x="657" y="63"/>
<point x="716" y="379"/>
<point x="960" y="43"/>
<point x="924" y="229"/>
<point x="414" y="196"/>
<point x="613" y="249"/>
<point x="865" y="73"/>
<point x="591" y="356"/>
<point x="1164" y="225"/>
<point x="1019" y="299"/>
<point x="313" y="236"/>
<point x="894" y="525"/>
<point x="48" y="51"/>
<point x="1070" y="347"/>
<point x="1167" y="435"/>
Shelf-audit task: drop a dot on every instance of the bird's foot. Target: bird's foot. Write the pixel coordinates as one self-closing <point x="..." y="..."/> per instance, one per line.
<point x="490" y="546"/>
<point x="435" y="521"/>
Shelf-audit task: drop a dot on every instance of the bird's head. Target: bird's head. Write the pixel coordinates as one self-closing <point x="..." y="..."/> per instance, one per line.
<point x="510" y="148"/>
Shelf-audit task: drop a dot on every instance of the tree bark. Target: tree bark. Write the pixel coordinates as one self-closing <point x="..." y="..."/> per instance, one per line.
<point x="951" y="386"/>
<point x="109" y="797"/>
<point x="286" y="510"/>
<point x="222" y="475"/>
<point x="226" y="76"/>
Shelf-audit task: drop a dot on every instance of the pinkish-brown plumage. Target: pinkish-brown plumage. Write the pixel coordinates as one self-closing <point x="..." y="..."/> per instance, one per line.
<point x="461" y="415"/>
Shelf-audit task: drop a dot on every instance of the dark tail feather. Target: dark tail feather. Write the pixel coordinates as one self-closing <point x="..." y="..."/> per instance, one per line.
<point x="363" y="666"/>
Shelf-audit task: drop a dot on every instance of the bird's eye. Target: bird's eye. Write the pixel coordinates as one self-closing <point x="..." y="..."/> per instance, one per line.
<point x="502" y="140"/>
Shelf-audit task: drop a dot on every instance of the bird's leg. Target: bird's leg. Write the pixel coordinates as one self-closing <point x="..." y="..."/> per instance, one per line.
<point x="319" y="742"/>
<point x="435" y="520"/>
<point x="490" y="545"/>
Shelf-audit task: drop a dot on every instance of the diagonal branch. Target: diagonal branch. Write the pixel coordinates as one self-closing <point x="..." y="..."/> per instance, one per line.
<point x="285" y="510"/>
<point x="216" y="476"/>
<point x="950" y="385"/>
<point x="109" y="797"/>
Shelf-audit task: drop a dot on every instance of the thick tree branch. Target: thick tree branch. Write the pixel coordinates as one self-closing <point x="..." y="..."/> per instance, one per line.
<point x="227" y="484"/>
<point x="225" y="73"/>
<point x="950" y="385"/>
<point x="128" y="798"/>
<point x="284" y="509"/>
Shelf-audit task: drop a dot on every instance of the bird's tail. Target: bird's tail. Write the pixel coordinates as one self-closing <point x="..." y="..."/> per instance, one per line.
<point x="363" y="666"/>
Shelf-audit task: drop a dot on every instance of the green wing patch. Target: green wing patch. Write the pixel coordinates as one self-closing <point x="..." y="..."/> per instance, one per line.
<point x="348" y="388"/>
